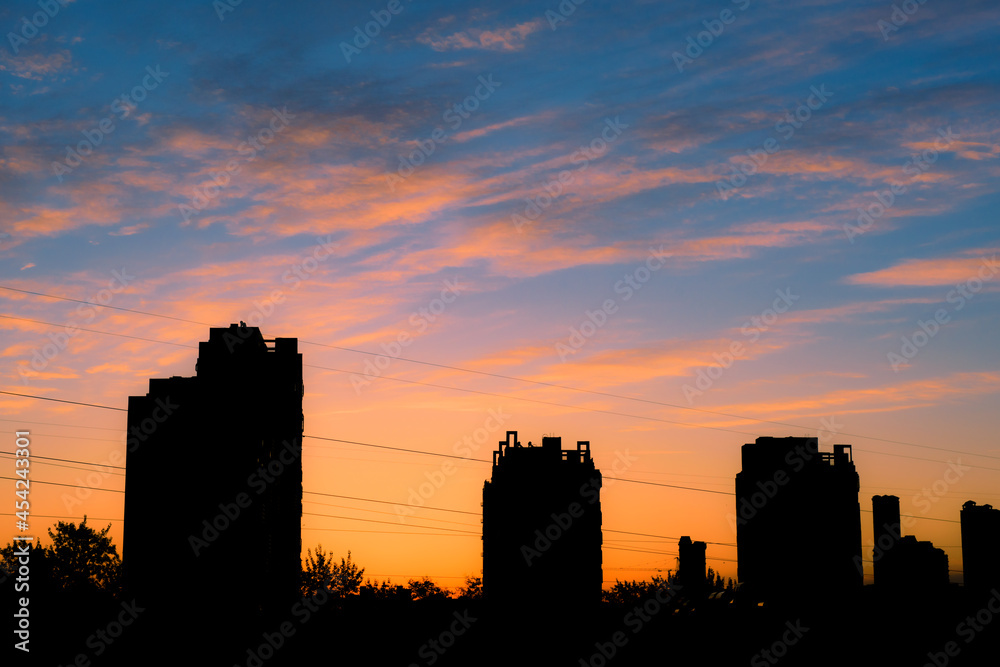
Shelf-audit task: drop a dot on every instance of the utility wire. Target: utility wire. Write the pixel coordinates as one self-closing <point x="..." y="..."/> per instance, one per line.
<point x="507" y="377"/>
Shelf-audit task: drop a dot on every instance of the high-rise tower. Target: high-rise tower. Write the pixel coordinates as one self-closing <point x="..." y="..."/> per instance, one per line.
<point x="798" y="519"/>
<point x="980" y="546"/>
<point x="213" y="485"/>
<point x="542" y="526"/>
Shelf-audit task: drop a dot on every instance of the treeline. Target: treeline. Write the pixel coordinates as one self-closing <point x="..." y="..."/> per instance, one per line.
<point x="81" y="561"/>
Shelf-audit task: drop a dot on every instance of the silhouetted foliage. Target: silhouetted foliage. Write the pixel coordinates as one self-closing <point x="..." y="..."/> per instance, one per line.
<point x="425" y="589"/>
<point x="319" y="571"/>
<point x="347" y="576"/>
<point x="385" y="590"/>
<point x="473" y="589"/>
<point x="83" y="559"/>
<point x="625" y="593"/>
<point x="715" y="583"/>
<point x="38" y="557"/>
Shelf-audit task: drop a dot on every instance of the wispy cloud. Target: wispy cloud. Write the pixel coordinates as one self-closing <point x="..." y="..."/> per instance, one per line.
<point x="499" y="39"/>
<point x="926" y="272"/>
<point x="36" y="66"/>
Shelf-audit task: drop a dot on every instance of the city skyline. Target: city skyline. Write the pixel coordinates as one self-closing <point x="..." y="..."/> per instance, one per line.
<point x="667" y="230"/>
<point x="745" y="507"/>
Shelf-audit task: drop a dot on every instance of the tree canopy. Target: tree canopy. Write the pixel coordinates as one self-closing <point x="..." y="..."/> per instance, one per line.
<point x="78" y="560"/>
<point x="320" y="571"/>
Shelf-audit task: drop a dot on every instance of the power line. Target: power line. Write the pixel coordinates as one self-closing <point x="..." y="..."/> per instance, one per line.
<point x="540" y="402"/>
<point x="519" y="379"/>
<point x="640" y="400"/>
<point x="671" y="486"/>
<point x="94" y="428"/>
<point x="351" y="518"/>
<point x="445" y="510"/>
<point x="419" y="576"/>
<point x="516" y="398"/>
<point x="86" y="463"/>
<point x="58" y="516"/>
<point x="370" y="500"/>
<point x="76" y="437"/>
<point x="63" y="465"/>
<point x="914" y="516"/>
<point x="417" y="451"/>
<point x="384" y="532"/>
<point x="428" y="384"/>
<point x="346" y="530"/>
<point x="919" y="458"/>
<point x="76" y="486"/>
<point x="665" y="537"/>
<point x="398" y="449"/>
<point x="107" y="333"/>
<point x="662" y="553"/>
<point x="100" y="305"/>
<point x="59" y="400"/>
<point x="362" y="509"/>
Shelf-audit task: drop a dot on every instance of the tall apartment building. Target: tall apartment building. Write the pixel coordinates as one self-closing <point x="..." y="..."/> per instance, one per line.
<point x="691" y="568"/>
<point x="213" y="483"/>
<point x="798" y="519"/>
<point x="901" y="563"/>
<point x="980" y="546"/>
<point x="542" y="526"/>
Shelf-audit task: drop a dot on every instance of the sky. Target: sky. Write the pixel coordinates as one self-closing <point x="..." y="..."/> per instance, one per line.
<point x="663" y="228"/>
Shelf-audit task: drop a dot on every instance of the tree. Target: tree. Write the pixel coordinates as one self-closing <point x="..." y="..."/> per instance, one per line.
<point x="425" y="589"/>
<point x="714" y="582"/>
<point x="473" y="589"/>
<point x="83" y="559"/>
<point x="321" y="572"/>
<point x="37" y="559"/>
<point x="317" y="571"/>
<point x="630" y="593"/>
<point x="385" y="591"/>
<point x="347" y="577"/>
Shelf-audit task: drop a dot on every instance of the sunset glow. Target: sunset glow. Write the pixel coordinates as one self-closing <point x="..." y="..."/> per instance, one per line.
<point x="486" y="219"/>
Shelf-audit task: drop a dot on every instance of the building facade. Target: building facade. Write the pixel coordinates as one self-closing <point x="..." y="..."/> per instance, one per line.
<point x="980" y="546"/>
<point x="213" y="483"/>
<point x="691" y="568"/>
<point x="798" y="519"/>
<point x="901" y="563"/>
<point x="542" y="526"/>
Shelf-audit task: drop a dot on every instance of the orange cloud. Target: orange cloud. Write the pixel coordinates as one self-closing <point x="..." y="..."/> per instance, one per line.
<point x="906" y="395"/>
<point x="974" y="264"/>
<point x="35" y="66"/>
<point x="501" y="39"/>
<point x="514" y="122"/>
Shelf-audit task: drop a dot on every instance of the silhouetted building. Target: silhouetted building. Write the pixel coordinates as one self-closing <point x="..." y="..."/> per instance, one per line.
<point x="798" y="521"/>
<point x="691" y="567"/>
<point x="213" y="485"/>
<point x="542" y="527"/>
<point x="980" y="546"/>
<point x="887" y="532"/>
<point x="900" y="562"/>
